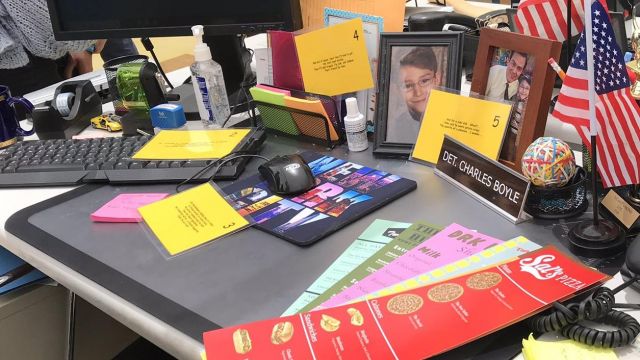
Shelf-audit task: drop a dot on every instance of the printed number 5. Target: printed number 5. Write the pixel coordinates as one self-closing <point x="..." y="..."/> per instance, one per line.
<point x="355" y="35"/>
<point x="496" y="121"/>
<point x="228" y="226"/>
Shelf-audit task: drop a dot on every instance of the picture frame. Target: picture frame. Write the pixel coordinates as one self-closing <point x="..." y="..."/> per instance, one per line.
<point x="532" y="116"/>
<point x="403" y="81"/>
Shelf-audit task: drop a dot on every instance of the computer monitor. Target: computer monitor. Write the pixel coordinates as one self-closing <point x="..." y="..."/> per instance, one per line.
<point x="223" y="21"/>
<point x="79" y="20"/>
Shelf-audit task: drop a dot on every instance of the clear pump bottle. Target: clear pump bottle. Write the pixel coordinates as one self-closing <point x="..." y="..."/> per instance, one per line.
<point x="208" y="84"/>
<point x="355" y="126"/>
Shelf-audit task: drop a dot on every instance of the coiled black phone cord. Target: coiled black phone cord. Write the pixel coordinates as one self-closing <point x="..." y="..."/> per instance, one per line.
<point x="597" y="307"/>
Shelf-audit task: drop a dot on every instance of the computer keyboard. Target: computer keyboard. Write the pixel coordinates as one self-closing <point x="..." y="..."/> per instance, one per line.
<point x="102" y="160"/>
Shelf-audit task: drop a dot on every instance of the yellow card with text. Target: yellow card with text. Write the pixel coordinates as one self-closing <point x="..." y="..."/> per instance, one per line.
<point x="334" y="60"/>
<point x="191" y="218"/>
<point x="479" y="124"/>
<point x="191" y="144"/>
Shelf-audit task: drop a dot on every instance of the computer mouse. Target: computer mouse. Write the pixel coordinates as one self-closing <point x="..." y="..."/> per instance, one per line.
<point x="287" y="175"/>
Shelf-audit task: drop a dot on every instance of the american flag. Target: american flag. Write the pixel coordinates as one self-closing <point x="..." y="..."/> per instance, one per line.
<point x="548" y="18"/>
<point x="617" y="113"/>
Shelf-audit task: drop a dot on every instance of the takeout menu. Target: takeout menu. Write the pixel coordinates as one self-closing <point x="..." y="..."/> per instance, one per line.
<point x="414" y="324"/>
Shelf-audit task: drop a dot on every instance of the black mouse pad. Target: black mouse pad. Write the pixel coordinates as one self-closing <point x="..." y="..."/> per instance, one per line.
<point x="344" y="192"/>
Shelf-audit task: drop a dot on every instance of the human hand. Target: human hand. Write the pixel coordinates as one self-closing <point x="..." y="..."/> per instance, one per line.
<point x="81" y="62"/>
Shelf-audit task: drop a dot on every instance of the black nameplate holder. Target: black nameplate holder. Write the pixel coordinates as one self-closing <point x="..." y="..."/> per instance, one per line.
<point x="495" y="185"/>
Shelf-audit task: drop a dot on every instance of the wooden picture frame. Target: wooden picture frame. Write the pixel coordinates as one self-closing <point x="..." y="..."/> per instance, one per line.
<point x="534" y="116"/>
<point x="392" y="138"/>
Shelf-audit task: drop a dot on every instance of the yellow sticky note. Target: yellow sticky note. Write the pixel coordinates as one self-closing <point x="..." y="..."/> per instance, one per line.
<point x="191" y="218"/>
<point x="563" y="350"/>
<point x="191" y="144"/>
<point x="334" y="60"/>
<point x="479" y="124"/>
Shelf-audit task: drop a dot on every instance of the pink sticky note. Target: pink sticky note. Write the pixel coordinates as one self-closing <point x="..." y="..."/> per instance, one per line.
<point x="124" y="207"/>
<point x="453" y="243"/>
<point x="274" y="89"/>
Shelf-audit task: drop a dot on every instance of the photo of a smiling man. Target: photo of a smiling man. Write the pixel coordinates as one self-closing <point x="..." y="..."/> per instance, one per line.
<point x="414" y="72"/>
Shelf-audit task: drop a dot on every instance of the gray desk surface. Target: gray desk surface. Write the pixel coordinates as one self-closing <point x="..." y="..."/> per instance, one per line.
<point x="250" y="275"/>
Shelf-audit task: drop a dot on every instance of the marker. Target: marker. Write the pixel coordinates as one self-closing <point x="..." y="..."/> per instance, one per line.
<point x="557" y="68"/>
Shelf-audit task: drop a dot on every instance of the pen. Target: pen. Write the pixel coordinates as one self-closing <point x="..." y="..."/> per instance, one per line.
<point x="15" y="274"/>
<point x="557" y="68"/>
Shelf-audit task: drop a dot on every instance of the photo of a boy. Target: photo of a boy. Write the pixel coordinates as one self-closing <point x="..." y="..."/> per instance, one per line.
<point x="416" y="73"/>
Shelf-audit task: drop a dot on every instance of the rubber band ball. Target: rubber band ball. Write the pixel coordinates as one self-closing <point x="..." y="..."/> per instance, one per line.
<point x="548" y="162"/>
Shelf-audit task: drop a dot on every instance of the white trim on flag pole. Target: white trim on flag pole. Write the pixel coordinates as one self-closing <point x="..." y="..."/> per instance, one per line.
<point x="588" y="33"/>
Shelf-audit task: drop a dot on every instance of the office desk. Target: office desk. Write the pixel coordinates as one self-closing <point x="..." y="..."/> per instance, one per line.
<point x="245" y="277"/>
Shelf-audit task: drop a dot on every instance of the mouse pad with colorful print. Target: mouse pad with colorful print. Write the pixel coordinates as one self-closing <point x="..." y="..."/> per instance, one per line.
<point x="344" y="192"/>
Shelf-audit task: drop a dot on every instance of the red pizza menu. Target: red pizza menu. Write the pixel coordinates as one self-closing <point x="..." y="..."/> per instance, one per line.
<point x="414" y="324"/>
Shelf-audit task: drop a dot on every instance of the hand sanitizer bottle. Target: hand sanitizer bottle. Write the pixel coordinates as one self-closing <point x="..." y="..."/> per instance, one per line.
<point x="208" y="84"/>
<point x="355" y="126"/>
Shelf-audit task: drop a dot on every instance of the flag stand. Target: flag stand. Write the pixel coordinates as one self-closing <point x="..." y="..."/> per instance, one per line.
<point x="596" y="237"/>
<point x="634" y="195"/>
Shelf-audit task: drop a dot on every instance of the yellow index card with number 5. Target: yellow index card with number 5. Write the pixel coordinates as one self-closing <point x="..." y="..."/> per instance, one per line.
<point x="191" y="218"/>
<point x="479" y="124"/>
<point x="334" y="60"/>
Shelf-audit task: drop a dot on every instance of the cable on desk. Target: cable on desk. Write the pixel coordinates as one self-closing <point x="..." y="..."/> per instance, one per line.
<point x="148" y="45"/>
<point x="219" y="162"/>
<point x="247" y="102"/>
<point x="597" y="307"/>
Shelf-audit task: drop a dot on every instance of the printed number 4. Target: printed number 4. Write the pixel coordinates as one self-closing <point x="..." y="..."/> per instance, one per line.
<point x="496" y="121"/>
<point x="355" y="35"/>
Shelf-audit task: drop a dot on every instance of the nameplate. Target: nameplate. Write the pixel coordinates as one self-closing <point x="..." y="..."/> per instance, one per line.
<point x="497" y="186"/>
<point x="619" y="208"/>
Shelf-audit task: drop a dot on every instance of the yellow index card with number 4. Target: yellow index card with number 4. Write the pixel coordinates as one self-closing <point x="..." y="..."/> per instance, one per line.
<point x="477" y="123"/>
<point x="334" y="60"/>
<point x="191" y="218"/>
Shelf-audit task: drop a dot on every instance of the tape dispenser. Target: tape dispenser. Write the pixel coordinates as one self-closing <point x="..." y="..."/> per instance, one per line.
<point x="74" y="104"/>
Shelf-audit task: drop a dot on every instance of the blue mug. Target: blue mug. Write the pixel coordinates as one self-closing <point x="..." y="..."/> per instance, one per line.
<point x="10" y="128"/>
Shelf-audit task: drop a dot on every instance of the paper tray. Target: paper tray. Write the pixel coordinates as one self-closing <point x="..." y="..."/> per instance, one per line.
<point x="300" y="124"/>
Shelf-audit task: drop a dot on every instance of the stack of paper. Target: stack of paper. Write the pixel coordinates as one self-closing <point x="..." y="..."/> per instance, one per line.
<point x="420" y="255"/>
<point x="375" y="237"/>
<point x="413" y="324"/>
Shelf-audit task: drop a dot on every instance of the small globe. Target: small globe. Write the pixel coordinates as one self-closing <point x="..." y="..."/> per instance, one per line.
<point x="549" y="162"/>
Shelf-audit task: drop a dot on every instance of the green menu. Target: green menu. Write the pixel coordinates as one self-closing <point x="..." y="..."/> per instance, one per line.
<point x="407" y="240"/>
<point x="377" y="235"/>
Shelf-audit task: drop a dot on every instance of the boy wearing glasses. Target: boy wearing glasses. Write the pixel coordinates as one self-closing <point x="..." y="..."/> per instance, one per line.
<point x="418" y="75"/>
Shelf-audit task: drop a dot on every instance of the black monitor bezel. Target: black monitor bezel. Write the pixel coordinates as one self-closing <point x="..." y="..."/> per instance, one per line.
<point x="291" y="23"/>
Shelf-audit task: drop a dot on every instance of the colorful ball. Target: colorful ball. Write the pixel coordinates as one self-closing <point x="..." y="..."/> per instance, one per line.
<point x="549" y="162"/>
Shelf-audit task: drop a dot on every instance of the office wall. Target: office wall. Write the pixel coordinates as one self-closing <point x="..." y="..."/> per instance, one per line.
<point x="173" y="52"/>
